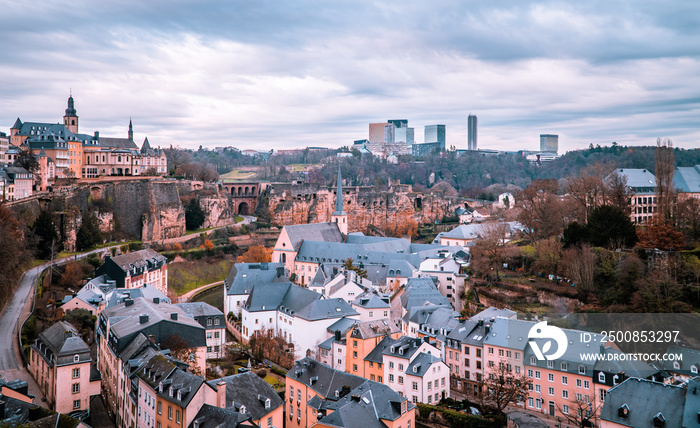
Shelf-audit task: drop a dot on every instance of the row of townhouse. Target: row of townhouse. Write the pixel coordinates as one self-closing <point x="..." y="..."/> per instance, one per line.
<point x="319" y="396"/>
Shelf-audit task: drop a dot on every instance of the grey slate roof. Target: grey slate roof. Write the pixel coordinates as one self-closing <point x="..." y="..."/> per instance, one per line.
<point x="62" y="342"/>
<point x="440" y="322"/>
<point x="420" y="365"/>
<point x="645" y="400"/>
<point x="691" y="358"/>
<point x="139" y="258"/>
<point x="148" y="292"/>
<point x="249" y="390"/>
<point x="244" y="276"/>
<point x="118" y="143"/>
<point x="492" y="312"/>
<point x="197" y="309"/>
<point x="462" y="331"/>
<point x="404" y="347"/>
<point x="421" y="290"/>
<point x="151" y="318"/>
<point x="326" y="308"/>
<point x="215" y="417"/>
<point x="640" y="180"/>
<point x="326" y="380"/>
<point x="687" y="179"/>
<point x="368" y="329"/>
<point x="630" y="368"/>
<point x="372" y="300"/>
<point x="399" y="268"/>
<point x="342" y="325"/>
<point x="325" y="232"/>
<point x="376" y="355"/>
<point x="366" y="406"/>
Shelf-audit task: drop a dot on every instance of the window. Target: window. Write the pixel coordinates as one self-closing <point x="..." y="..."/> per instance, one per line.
<point x="586" y="384"/>
<point x="354" y="343"/>
<point x="415" y="386"/>
<point x="354" y="354"/>
<point x="565" y="409"/>
<point x="530" y="373"/>
<point x="269" y="421"/>
<point x="400" y="380"/>
<point x="564" y="380"/>
<point x="170" y="413"/>
<point x="401" y="366"/>
<point x="379" y="379"/>
<point x="354" y="367"/>
<point x="177" y="416"/>
<point x="533" y="361"/>
<point x="216" y="334"/>
<point x="160" y="408"/>
<point x="75" y="388"/>
<point x="490" y="351"/>
<point x="478" y="353"/>
<point x="564" y="394"/>
<point x="581" y="370"/>
<point x="550" y="390"/>
<point x="430" y="386"/>
<point x="564" y="367"/>
<point x="537" y="374"/>
<point x="76" y="358"/>
<point x="603" y="394"/>
<point x="550" y="364"/>
<point x="500" y="352"/>
<point x="442" y="381"/>
<point x="538" y="388"/>
<point x="391" y="364"/>
<point x="76" y="373"/>
<point x="371" y="377"/>
<point x="76" y="404"/>
<point x="530" y="402"/>
<point x="550" y="377"/>
<point x="391" y="378"/>
<point x="578" y="383"/>
<point x="601" y="377"/>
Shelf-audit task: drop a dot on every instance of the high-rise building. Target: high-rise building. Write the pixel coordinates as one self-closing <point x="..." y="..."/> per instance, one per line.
<point x="435" y="134"/>
<point x="404" y="135"/>
<point x="471" y="132"/>
<point x="549" y="143"/>
<point x="376" y="132"/>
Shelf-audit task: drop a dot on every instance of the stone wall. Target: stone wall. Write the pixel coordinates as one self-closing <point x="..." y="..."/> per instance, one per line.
<point x="297" y="204"/>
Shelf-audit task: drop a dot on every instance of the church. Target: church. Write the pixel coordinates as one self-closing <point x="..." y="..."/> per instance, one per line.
<point x="71" y="154"/>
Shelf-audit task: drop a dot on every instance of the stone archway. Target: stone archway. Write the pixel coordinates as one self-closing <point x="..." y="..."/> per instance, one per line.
<point x="243" y="208"/>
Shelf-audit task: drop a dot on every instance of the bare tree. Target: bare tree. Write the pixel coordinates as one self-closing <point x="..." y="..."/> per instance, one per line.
<point x="665" y="167"/>
<point x="489" y="252"/>
<point x="580" y="265"/>
<point x="541" y="211"/>
<point x="501" y="386"/>
<point x="588" y="188"/>
<point x="618" y="192"/>
<point x="579" y="412"/>
<point x="177" y="157"/>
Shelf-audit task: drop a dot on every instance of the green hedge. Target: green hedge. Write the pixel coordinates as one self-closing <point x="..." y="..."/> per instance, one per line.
<point x="456" y="419"/>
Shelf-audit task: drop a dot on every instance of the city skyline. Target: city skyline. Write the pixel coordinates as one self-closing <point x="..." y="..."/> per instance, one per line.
<point x="315" y="74"/>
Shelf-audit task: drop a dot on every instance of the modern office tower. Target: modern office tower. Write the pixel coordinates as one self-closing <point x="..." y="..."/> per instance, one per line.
<point x="471" y="132"/>
<point x="376" y="132"/>
<point x="389" y="132"/>
<point x="549" y="143"/>
<point x="435" y="134"/>
<point x="404" y="135"/>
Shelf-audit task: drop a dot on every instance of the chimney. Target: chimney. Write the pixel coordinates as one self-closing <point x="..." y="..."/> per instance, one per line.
<point x="128" y="302"/>
<point x="173" y="316"/>
<point x="97" y="135"/>
<point x="156" y="300"/>
<point x="221" y="394"/>
<point x="355" y="397"/>
<point x="337" y="335"/>
<point x="143" y="319"/>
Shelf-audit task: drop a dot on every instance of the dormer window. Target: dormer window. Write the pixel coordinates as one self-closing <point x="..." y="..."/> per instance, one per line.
<point x="76" y="358"/>
<point x="581" y="370"/>
<point x="694" y="369"/>
<point x="601" y="377"/>
<point x="242" y="409"/>
<point x="659" y="420"/>
<point x="170" y="391"/>
<point x="179" y="396"/>
<point x="623" y="411"/>
<point x="676" y="365"/>
<point x="616" y="379"/>
<point x="267" y="403"/>
<point x="533" y="361"/>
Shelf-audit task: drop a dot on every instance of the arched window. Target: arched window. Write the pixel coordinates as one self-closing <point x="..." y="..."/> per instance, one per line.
<point x="284" y="258"/>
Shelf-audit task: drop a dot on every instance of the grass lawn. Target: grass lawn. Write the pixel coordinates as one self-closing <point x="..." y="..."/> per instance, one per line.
<point x="238" y="219"/>
<point x="238" y="174"/>
<point x="186" y="276"/>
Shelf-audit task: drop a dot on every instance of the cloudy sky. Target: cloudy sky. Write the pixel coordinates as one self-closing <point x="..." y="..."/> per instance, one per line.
<point x="261" y="74"/>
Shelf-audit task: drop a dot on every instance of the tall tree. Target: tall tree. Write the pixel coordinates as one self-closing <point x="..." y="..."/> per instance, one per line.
<point x="489" y="251"/>
<point x="541" y="210"/>
<point x="688" y="219"/>
<point x="89" y="233"/>
<point x="588" y="188"/>
<point x="45" y="231"/>
<point x="610" y="227"/>
<point x="665" y="167"/>
<point x="194" y="216"/>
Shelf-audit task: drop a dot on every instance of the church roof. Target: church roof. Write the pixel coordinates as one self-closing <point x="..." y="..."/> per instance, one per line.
<point x="118" y="143"/>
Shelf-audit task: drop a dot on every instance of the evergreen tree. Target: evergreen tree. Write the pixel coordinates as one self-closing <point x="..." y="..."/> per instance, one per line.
<point x="89" y="233"/>
<point x="611" y="227"/>
<point x="194" y="216"/>
<point x="45" y="231"/>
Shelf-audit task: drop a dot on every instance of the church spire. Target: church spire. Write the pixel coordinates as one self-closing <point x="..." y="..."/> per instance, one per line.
<point x="70" y="119"/>
<point x="339" y="216"/>
<point x="339" y="196"/>
<point x="131" y="131"/>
